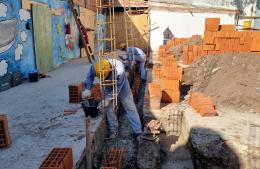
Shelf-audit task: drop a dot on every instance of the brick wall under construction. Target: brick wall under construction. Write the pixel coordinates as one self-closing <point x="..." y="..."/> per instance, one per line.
<point x="217" y="39"/>
<point x="139" y="24"/>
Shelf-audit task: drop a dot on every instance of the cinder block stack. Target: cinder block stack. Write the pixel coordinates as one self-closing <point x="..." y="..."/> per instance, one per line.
<point x="75" y="91"/>
<point x="114" y="159"/>
<point x="202" y="104"/>
<point x="58" y="158"/>
<point x="5" y="140"/>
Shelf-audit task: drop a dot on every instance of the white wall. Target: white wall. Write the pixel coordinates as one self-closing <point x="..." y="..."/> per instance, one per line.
<point x="227" y="4"/>
<point x="181" y="24"/>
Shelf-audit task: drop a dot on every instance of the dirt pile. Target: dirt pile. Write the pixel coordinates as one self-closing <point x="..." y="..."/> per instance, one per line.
<point x="232" y="80"/>
<point x="177" y="50"/>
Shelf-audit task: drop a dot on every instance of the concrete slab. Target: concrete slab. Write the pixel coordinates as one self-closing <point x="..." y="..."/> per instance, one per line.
<point x="36" y="120"/>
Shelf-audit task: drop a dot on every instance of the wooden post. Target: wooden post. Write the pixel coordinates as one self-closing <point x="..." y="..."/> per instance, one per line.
<point x="89" y="140"/>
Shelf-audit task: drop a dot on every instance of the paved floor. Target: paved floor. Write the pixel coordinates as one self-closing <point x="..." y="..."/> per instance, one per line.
<point x="36" y="120"/>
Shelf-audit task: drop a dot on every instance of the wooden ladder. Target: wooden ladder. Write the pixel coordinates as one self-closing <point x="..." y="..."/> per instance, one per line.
<point x="82" y="32"/>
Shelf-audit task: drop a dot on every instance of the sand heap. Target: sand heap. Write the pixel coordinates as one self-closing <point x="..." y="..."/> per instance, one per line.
<point x="232" y="80"/>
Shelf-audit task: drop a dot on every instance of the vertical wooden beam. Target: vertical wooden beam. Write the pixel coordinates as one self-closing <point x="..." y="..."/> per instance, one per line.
<point x="89" y="140"/>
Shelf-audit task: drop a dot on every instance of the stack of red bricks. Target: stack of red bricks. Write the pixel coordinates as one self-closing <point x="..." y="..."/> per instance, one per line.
<point x="175" y="41"/>
<point x="168" y="75"/>
<point x="192" y="52"/>
<point x="75" y="91"/>
<point x="202" y="104"/>
<point x="171" y="91"/>
<point x="220" y="39"/>
<point x="155" y="95"/>
<point x="5" y="140"/>
<point x="114" y="159"/>
<point x="58" y="158"/>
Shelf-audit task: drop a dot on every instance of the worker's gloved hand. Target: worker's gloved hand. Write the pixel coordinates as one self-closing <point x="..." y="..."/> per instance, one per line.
<point x="105" y="103"/>
<point x="86" y="94"/>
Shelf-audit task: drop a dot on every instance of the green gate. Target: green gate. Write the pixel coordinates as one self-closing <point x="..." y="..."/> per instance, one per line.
<point x="42" y="27"/>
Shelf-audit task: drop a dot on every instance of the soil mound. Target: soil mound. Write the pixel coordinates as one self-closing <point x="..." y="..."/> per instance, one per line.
<point x="232" y="80"/>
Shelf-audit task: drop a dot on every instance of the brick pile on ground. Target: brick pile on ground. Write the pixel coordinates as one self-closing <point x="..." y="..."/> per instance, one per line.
<point x="177" y="49"/>
<point x="231" y="80"/>
<point x="202" y="104"/>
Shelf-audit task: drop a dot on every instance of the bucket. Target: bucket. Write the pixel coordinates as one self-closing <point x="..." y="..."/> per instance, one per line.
<point x="33" y="76"/>
<point x="247" y="24"/>
<point x="90" y="107"/>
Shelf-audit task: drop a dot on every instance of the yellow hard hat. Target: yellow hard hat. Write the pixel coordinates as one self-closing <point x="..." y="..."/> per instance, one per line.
<point x="102" y="68"/>
<point x="122" y="45"/>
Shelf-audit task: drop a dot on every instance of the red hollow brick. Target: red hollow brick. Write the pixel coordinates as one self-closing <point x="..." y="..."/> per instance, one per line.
<point x="58" y="158"/>
<point x="5" y="139"/>
<point x="114" y="158"/>
<point x="75" y="92"/>
<point x="171" y="85"/>
<point x="170" y="96"/>
<point x="212" y="24"/>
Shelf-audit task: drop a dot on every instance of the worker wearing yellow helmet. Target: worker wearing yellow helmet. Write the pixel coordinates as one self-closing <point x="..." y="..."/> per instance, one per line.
<point x="102" y="70"/>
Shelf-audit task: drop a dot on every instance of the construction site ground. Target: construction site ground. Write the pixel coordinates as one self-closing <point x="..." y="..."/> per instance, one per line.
<point x="36" y="118"/>
<point x="37" y="124"/>
<point x="228" y="140"/>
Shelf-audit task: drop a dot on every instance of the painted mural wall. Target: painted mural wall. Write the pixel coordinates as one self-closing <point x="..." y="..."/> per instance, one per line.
<point x="17" y="36"/>
<point x="16" y="41"/>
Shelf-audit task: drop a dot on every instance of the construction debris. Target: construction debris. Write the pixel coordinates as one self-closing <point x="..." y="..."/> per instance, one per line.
<point x="148" y="155"/>
<point x="153" y="127"/>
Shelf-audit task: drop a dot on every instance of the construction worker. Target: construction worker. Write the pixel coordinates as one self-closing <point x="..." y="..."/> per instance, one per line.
<point x="167" y="35"/>
<point x="135" y="56"/>
<point x="124" y="94"/>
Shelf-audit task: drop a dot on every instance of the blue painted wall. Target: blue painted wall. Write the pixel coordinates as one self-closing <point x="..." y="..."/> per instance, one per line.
<point x="26" y="61"/>
<point x="100" y="30"/>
